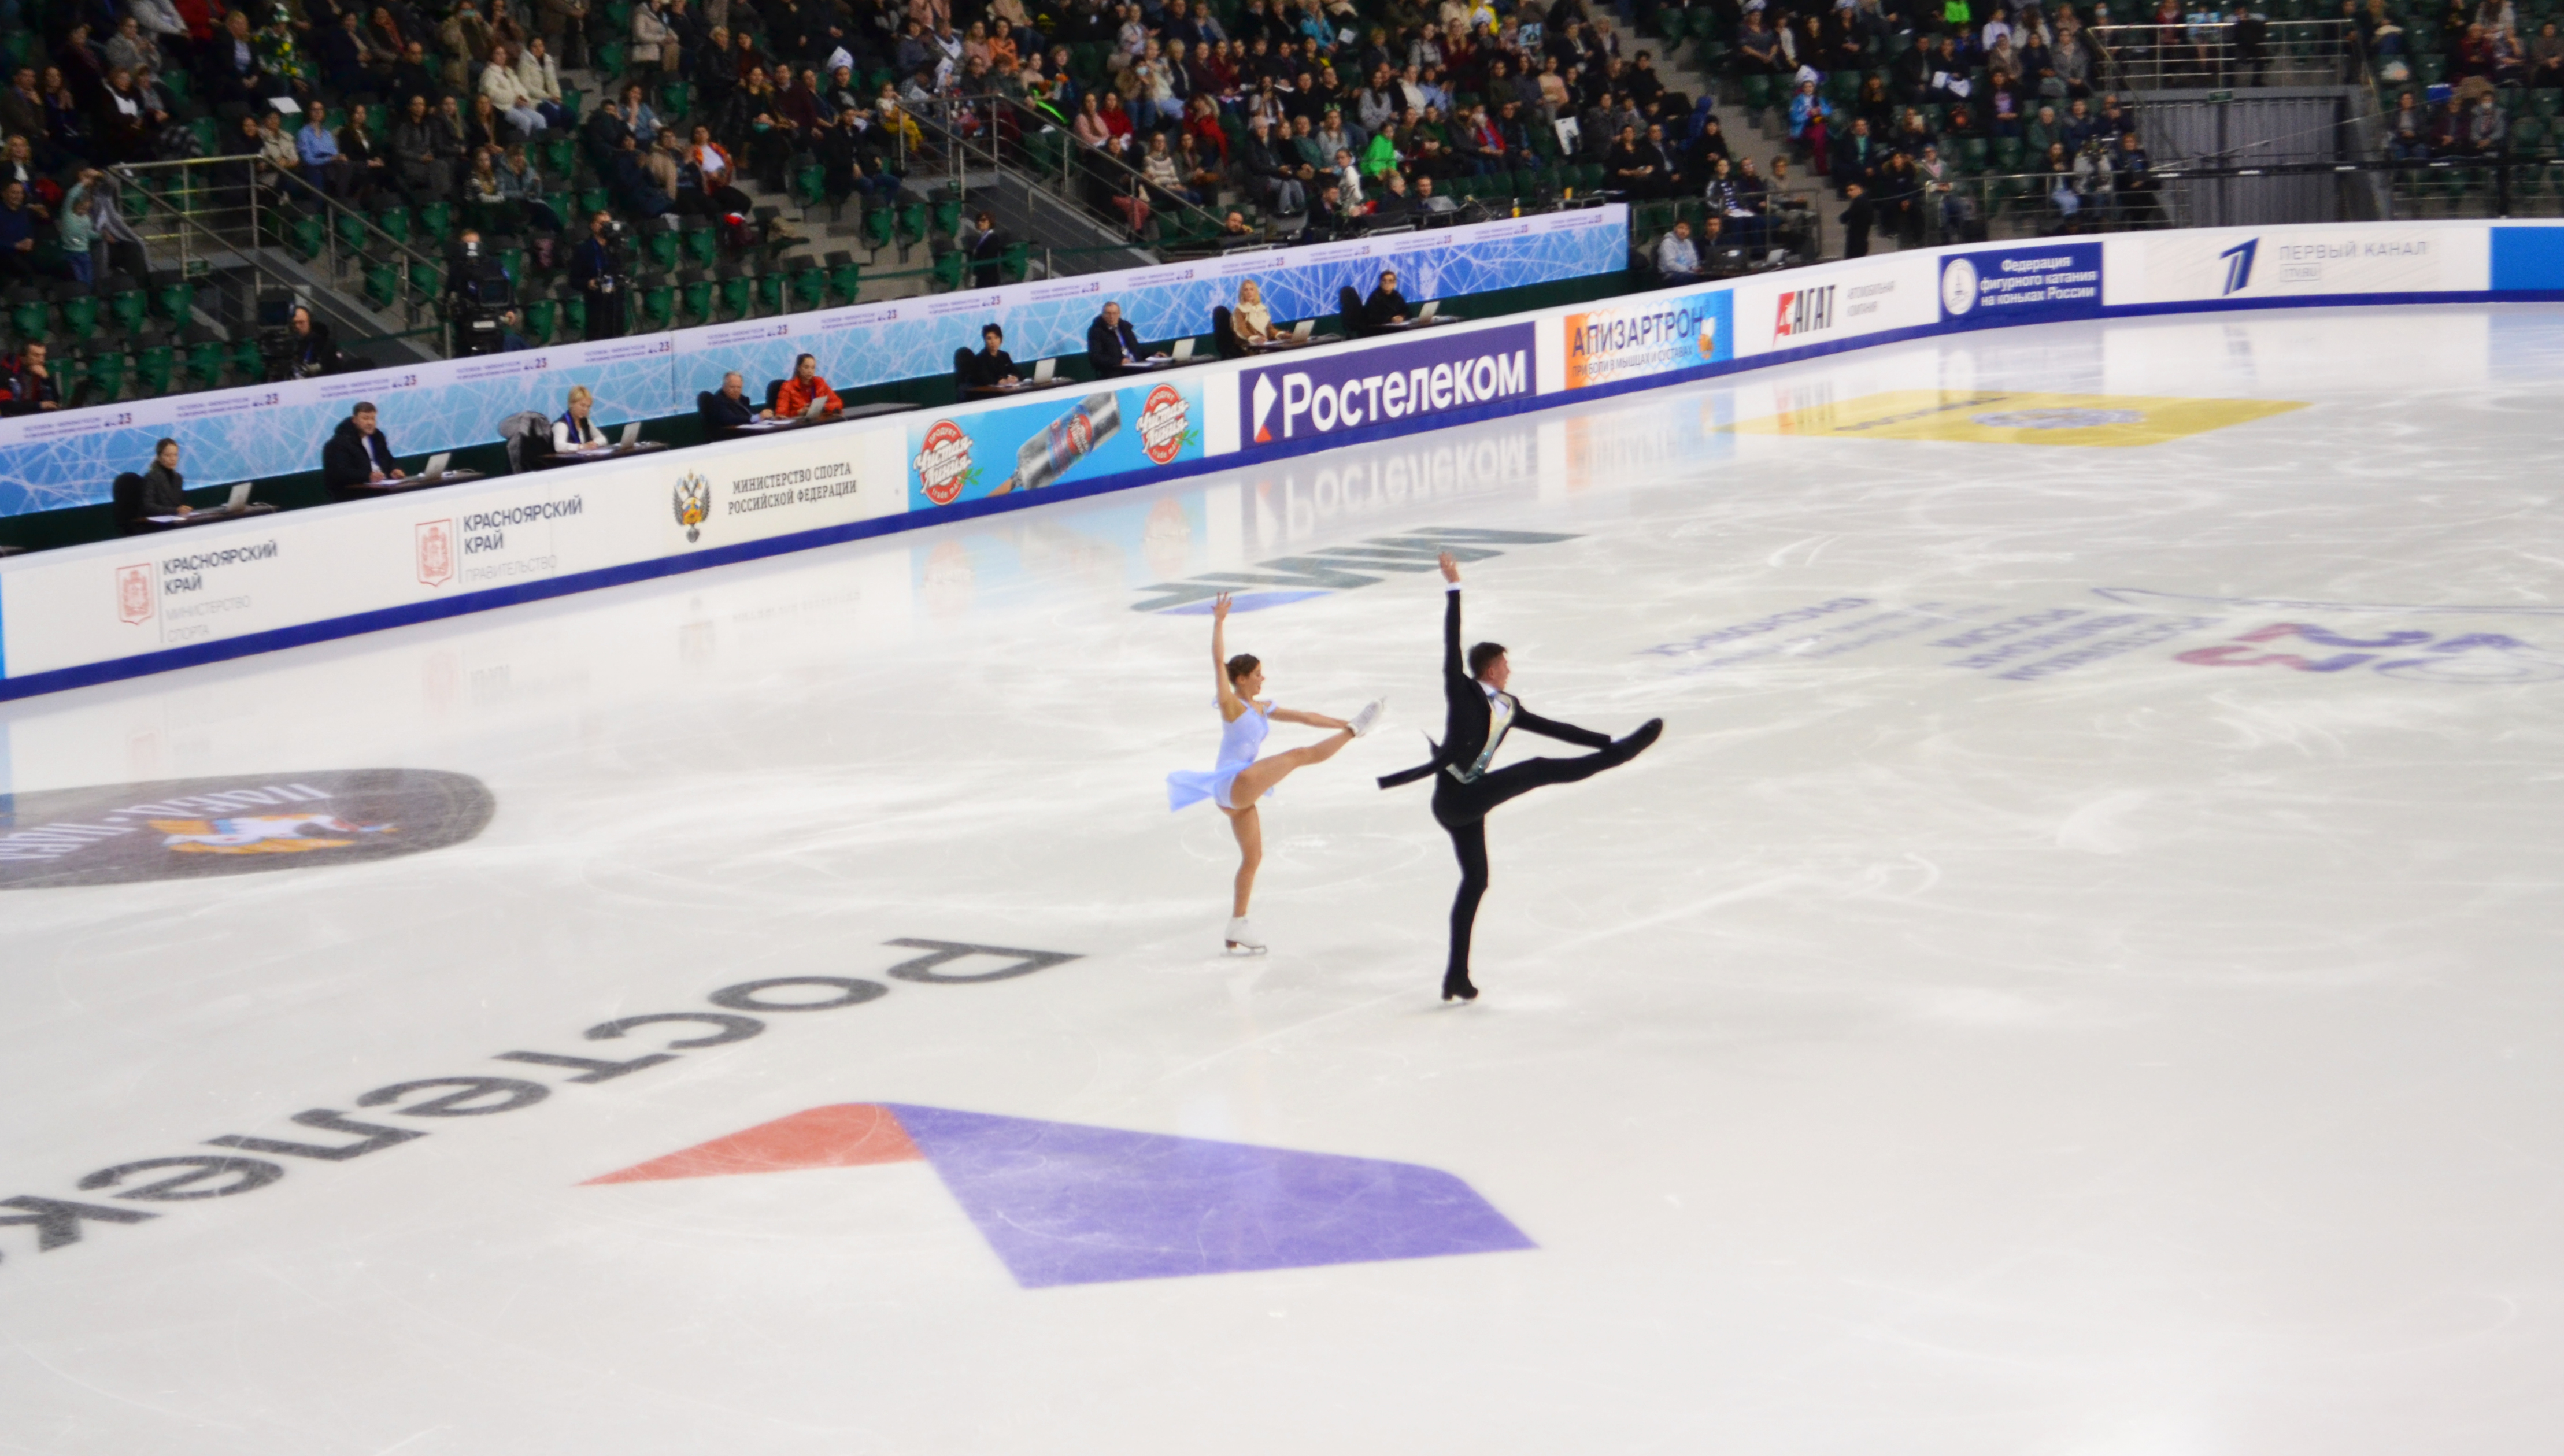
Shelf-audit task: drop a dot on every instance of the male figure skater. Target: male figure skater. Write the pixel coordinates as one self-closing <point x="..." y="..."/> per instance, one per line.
<point x="1465" y="789"/>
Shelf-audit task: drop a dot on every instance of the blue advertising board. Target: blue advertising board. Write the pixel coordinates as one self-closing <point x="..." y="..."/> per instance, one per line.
<point x="1067" y="436"/>
<point x="1325" y="391"/>
<point x="2027" y="284"/>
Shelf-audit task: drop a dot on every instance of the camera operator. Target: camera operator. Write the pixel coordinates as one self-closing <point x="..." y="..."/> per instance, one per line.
<point x="479" y="295"/>
<point x="596" y="265"/>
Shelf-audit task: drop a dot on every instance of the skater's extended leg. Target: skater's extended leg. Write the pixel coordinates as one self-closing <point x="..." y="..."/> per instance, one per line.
<point x="1263" y="773"/>
<point x="1491" y="789"/>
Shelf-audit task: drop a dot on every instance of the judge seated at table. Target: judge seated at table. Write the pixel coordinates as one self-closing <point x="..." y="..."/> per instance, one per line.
<point x="1252" y="322"/>
<point x="804" y="386"/>
<point x="1385" y="306"/>
<point x="1111" y="346"/>
<point x="359" y="453"/>
<point x="992" y="366"/>
<point x="730" y="407"/>
<point x="163" y="489"/>
<point x="573" y="431"/>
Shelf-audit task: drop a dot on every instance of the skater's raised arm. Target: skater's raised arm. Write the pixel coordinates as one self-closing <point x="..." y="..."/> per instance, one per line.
<point x="1231" y="705"/>
<point x="1455" y="669"/>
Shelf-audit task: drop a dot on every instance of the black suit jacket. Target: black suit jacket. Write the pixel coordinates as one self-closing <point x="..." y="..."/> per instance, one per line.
<point x="351" y="458"/>
<point x="1382" y="306"/>
<point x="721" y="412"/>
<point x="1467" y="718"/>
<point x="982" y="369"/>
<point x="1105" y="346"/>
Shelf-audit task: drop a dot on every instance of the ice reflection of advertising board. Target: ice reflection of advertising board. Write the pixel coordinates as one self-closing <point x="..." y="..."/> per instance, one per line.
<point x="2191" y="266"/>
<point x="1808" y="309"/>
<point x="1064" y="436"/>
<point x="1668" y="332"/>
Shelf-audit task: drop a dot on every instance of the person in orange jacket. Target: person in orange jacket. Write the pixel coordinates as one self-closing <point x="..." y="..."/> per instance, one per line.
<point x="804" y="386"/>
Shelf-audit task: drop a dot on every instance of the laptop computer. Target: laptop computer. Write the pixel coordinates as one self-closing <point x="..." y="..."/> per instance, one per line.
<point x="239" y="500"/>
<point x="1043" y="371"/>
<point x="1431" y="307"/>
<point x="1302" y="329"/>
<point x="818" y="406"/>
<point x="631" y="436"/>
<point x="436" y="465"/>
<point x="1183" y="349"/>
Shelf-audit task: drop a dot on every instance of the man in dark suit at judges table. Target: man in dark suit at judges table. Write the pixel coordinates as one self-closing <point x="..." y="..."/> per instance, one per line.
<point x="1111" y="346"/>
<point x="992" y="366"/>
<point x="358" y="455"/>
<point x="1385" y="306"/>
<point x="729" y="407"/>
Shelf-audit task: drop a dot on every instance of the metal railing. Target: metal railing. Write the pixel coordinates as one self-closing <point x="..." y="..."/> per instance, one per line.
<point x="206" y="212"/>
<point x="1038" y="149"/>
<point x="2223" y="55"/>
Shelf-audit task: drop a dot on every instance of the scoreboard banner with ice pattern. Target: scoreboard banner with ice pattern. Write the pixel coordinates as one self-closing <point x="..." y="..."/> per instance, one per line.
<point x="72" y="458"/>
<point x="911" y="338"/>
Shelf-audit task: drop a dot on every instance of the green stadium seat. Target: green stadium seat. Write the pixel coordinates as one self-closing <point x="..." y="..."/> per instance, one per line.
<point x="205" y="364"/>
<point x="657" y="302"/>
<point x="695" y="295"/>
<point x="738" y="295"/>
<point x="542" y="315"/>
<point x="846" y="278"/>
<point x="78" y="315"/>
<point x="105" y="380"/>
<point x="155" y="369"/>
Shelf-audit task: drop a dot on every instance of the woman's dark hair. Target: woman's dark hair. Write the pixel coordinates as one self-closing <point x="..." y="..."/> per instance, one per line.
<point x="1242" y="664"/>
<point x="1482" y="655"/>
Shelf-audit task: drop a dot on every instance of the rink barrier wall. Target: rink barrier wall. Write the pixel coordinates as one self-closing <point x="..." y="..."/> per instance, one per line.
<point x="96" y="613"/>
<point x="69" y="457"/>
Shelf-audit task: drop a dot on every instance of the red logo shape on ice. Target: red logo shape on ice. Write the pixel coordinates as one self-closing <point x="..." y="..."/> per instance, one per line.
<point x="942" y="462"/>
<point x="855" y="1135"/>
<point x="134" y="599"/>
<point x="1164" y="423"/>
<point x="435" y="552"/>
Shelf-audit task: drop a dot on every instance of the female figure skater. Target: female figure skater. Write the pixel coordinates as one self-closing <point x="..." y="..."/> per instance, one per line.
<point x="1240" y="778"/>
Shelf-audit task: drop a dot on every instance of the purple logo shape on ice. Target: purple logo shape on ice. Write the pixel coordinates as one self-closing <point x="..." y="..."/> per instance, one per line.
<point x="1063" y="1203"/>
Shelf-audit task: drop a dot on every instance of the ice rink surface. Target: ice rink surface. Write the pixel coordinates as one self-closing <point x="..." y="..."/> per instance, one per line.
<point x="2079" y="975"/>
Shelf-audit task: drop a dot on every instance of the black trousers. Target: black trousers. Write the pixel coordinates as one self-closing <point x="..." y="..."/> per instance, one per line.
<point x="1463" y="808"/>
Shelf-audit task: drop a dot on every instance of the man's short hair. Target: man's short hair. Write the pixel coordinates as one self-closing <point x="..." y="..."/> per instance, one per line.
<point x="1483" y="656"/>
<point x="988" y="329"/>
<point x="364" y="407"/>
<point x="164" y="443"/>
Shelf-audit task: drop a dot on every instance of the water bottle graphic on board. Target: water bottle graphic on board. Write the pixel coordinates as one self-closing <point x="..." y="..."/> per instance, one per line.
<point x="1067" y="440"/>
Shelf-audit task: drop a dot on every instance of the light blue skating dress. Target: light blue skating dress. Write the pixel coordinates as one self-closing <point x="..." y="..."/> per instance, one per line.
<point x="1238" y="742"/>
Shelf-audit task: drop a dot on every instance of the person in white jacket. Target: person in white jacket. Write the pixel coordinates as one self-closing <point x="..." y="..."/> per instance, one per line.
<point x="654" y="41"/>
<point x="540" y="77"/>
<point x="506" y="93"/>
